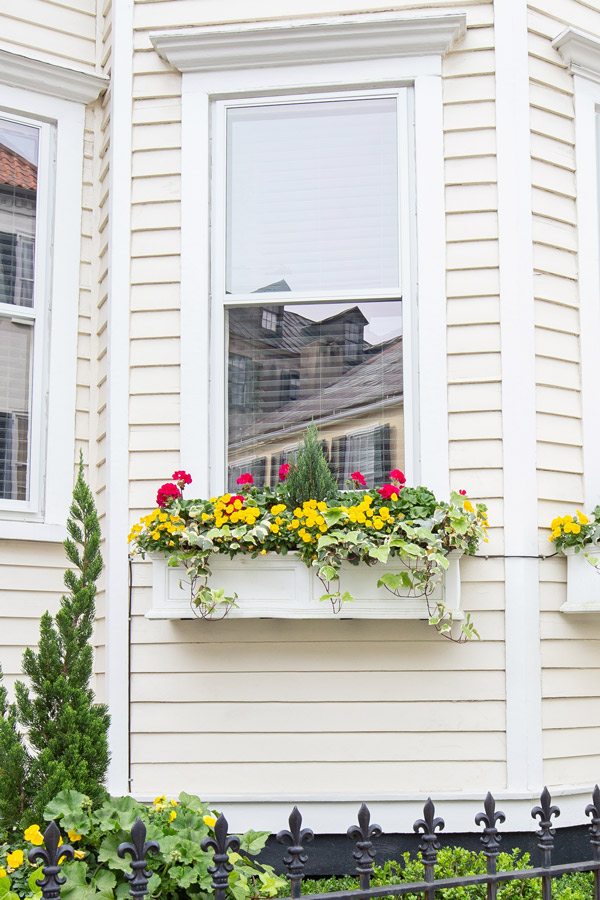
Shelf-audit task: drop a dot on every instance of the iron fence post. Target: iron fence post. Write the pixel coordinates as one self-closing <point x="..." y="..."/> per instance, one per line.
<point x="138" y="848"/>
<point x="52" y="855"/>
<point x="490" y="839"/>
<point x="546" y="835"/>
<point x="593" y="810"/>
<point x="222" y="843"/>
<point x="296" y="855"/>
<point x="365" y="852"/>
<point x="429" y="845"/>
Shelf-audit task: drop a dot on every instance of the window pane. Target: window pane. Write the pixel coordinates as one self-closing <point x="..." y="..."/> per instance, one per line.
<point x="337" y="363"/>
<point x="18" y="191"/>
<point x="15" y="367"/>
<point x="312" y="197"/>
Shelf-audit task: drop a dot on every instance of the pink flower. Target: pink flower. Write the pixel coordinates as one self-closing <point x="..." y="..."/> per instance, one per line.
<point x="357" y="478"/>
<point x="181" y="478"/>
<point x="464" y="493"/>
<point x="397" y="476"/>
<point x="246" y="478"/>
<point x="386" y="491"/>
<point x="166" y="494"/>
<point x="284" y="471"/>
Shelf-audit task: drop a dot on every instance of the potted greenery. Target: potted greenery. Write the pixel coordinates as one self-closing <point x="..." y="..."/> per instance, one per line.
<point x="401" y="539"/>
<point x="578" y="538"/>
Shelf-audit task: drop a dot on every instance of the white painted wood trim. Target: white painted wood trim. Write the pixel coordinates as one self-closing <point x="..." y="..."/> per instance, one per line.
<point x="55" y="403"/>
<point x="581" y="51"/>
<point x="332" y="813"/>
<point x="587" y="154"/>
<point x="50" y="78"/>
<point x="117" y="472"/>
<point x="290" y="590"/>
<point x="523" y="658"/>
<point x="583" y="581"/>
<point x="303" y="41"/>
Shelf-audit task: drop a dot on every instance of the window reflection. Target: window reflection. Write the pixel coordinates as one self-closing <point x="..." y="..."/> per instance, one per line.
<point x="339" y="364"/>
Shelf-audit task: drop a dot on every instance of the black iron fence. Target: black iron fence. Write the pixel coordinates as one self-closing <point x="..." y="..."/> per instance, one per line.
<point x="363" y="834"/>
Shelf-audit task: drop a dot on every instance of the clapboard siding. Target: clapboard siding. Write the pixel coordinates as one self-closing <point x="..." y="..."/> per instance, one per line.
<point x="56" y="32"/>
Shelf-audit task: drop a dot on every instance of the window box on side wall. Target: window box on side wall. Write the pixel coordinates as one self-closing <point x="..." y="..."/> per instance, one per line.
<point x="583" y="582"/>
<point x="283" y="587"/>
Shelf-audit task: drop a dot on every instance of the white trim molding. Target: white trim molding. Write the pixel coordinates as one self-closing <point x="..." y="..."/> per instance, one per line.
<point x="524" y="750"/>
<point x="581" y="51"/>
<point x="302" y="41"/>
<point x="49" y="78"/>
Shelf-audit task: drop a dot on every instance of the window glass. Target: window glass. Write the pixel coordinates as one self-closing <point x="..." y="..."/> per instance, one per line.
<point x="339" y="364"/>
<point x="19" y="146"/>
<point x="312" y="197"/>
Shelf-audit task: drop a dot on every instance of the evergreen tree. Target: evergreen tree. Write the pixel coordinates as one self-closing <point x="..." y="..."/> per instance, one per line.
<point x="14" y="795"/>
<point x="66" y="731"/>
<point x="310" y="478"/>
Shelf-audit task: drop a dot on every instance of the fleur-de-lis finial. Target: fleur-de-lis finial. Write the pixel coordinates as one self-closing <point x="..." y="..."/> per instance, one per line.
<point x="593" y="810"/>
<point x="296" y="855"/>
<point x="545" y="812"/>
<point x="138" y="848"/>
<point x="490" y="837"/>
<point x="222" y="843"/>
<point x="50" y="854"/>
<point x="428" y="824"/>
<point x="365" y="852"/>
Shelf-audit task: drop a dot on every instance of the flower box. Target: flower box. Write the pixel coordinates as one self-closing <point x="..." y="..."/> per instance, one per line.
<point x="583" y="581"/>
<point x="283" y="587"/>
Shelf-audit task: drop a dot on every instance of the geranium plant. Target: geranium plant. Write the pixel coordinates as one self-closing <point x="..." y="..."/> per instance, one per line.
<point x="361" y="527"/>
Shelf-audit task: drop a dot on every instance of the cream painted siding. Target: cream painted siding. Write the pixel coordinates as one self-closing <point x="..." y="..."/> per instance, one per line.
<point x="390" y="700"/>
<point x="570" y="644"/>
<point x="63" y="33"/>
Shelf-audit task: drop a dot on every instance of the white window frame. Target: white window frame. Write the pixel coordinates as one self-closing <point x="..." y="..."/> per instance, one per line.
<point x="581" y="52"/>
<point x="221" y="301"/>
<point x="379" y="51"/>
<point x="53" y="97"/>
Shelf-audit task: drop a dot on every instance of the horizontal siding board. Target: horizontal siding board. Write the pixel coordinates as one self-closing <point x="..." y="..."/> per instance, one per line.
<point x="467" y="226"/>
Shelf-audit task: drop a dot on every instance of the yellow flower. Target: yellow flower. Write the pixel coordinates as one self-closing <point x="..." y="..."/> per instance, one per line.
<point x="79" y="854"/>
<point x="210" y="821"/>
<point x="583" y="520"/>
<point x="172" y="815"/>
<point x="551" y="538"/>
<point x="556" y="522"/>
<point x="322" y="506"/>
<point x="274" y="528"/>
<point x="557" y="532"/>
<point x="32" y="834"/>
<point x="298" y="512"/>
<point x="378" y="523"/>
<point x="158" y="800"/>
<point x="575" y="528"/>
<point x="468" y="506"/>
<point x="2" y="872"/>
<point x="163" y="517"/>
<point x="74" y="836"/>
<point x="568" y="527"/>
<point x="384" y="512"/>
<point x="262" y="552"/>
<point x="15" y="859"/>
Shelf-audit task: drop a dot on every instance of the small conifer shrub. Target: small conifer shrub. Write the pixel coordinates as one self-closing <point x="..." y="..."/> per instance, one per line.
<point x="311" y="477"/>
<point x="66" y="743"/>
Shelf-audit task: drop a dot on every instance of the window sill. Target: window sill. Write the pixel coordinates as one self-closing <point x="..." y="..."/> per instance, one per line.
<point x="282" y="587"/>
<point x="21" y="530"/>
<point x="583" y="583"/>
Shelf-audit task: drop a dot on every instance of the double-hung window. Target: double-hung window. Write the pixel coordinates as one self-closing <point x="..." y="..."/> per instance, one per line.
<point x="24" y="190"/>
<point x="311" y="270"/>
<point x="313" y="243"/>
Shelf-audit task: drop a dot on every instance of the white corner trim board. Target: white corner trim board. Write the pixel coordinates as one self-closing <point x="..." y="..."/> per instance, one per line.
<point x="50" y="78"/>
<point x="308" y="40"/>
<point x="581" y="51"/>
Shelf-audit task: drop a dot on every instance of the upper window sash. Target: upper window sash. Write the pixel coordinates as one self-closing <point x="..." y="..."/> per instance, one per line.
<point x="36" y="314"/>
<point x="220" y="215"/>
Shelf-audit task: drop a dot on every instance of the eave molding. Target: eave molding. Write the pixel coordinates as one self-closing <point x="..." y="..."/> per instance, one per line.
<point x="302" y="41"/>
<point x="49" y="78"/>
<point x="581" y="52"/>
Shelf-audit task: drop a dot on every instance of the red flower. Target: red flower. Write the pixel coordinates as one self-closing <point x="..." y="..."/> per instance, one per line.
<point x="166" y="494"/>
<point x="246" y="478"/>
<point x="397" y="476"/>
<point x="464" y="493"/>
<point x="182" y="478"/>
<point x="386" y="490"/>
<point x="358" y="478"/>
<point x="284" y="471"/>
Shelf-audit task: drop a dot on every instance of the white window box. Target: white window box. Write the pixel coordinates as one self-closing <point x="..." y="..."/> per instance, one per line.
<point x="583" y="582"/>
<point x="283" y="587"/>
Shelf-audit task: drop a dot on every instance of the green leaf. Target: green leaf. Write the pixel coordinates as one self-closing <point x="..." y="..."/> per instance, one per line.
<point x="328" y="573"/>
<point x="67" y="806"/>
<point x="118" y="813"/>
<point x="380" y="553"/>
<point x="252" y="841"/>
<point x="31" y="881"/>
<point x="108" y="851"/>
<point x="105" y="880"/>
<point x="347" y="597"/>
